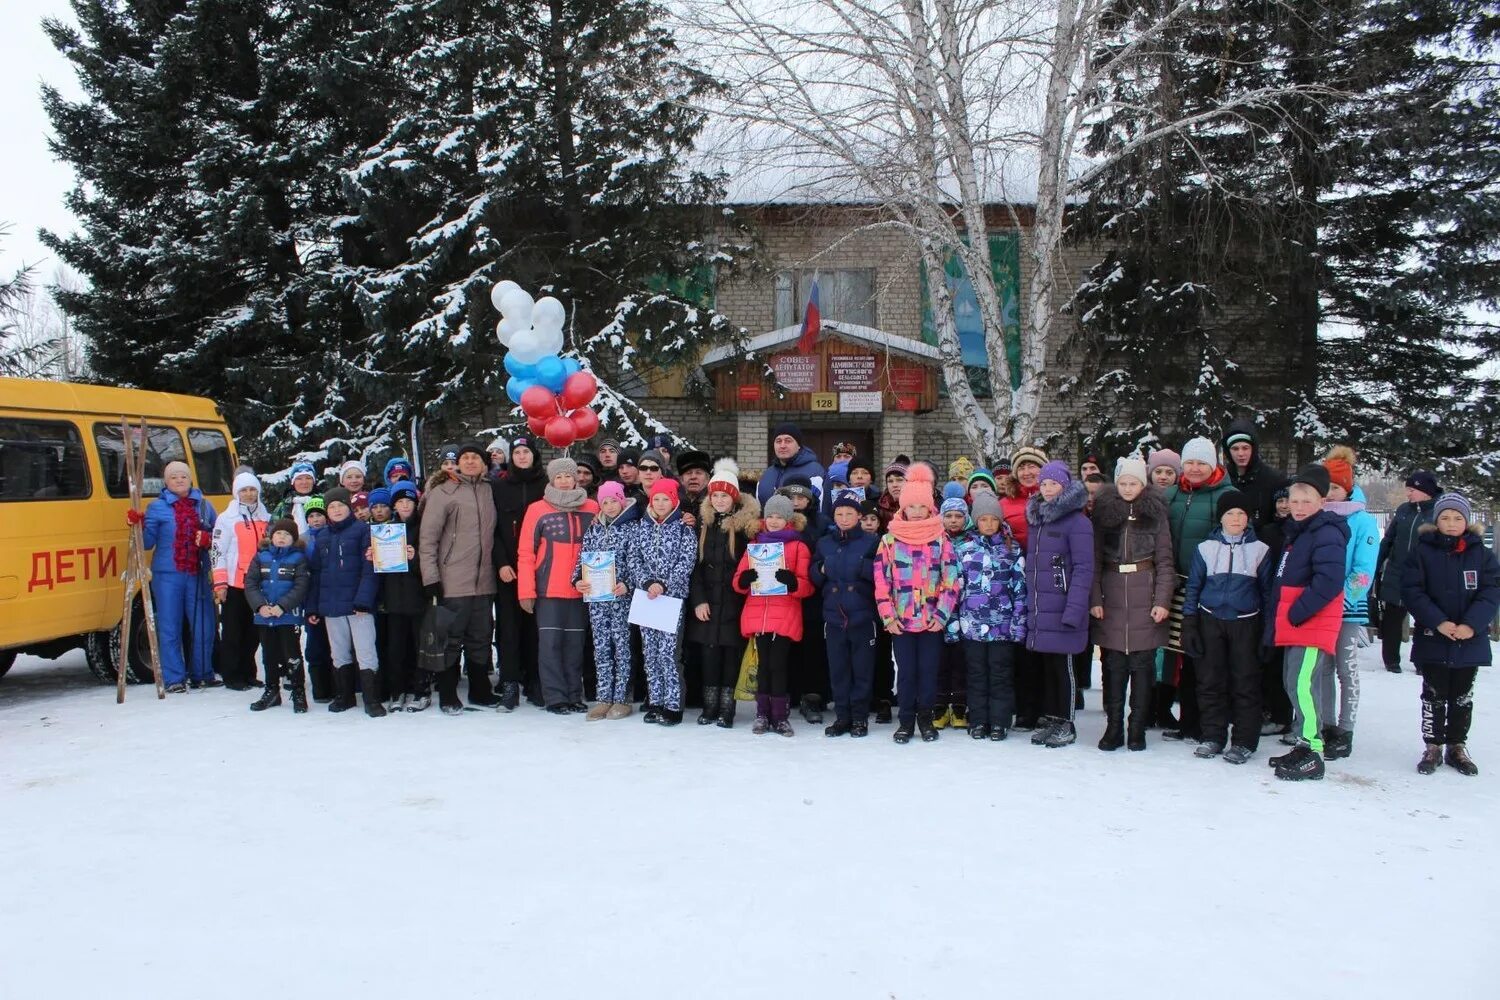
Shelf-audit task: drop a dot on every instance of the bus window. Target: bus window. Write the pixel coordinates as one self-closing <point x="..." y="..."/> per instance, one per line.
<point x="211" y="458"/>
<point x="41" y="460"/>
<point x="164" y="445"/>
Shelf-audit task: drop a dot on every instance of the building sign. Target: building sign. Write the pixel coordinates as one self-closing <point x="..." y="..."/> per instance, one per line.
<point x="749" y="393"/>
<point x="906" y="378"/>
<point x="860" y="402"/>
<point x="796" y="372"/>
<point x="825" y="402"/>
<point x="851" y="372"/>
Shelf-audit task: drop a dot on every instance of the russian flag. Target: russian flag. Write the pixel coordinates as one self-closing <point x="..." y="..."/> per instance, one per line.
<point x="812" y="322"/>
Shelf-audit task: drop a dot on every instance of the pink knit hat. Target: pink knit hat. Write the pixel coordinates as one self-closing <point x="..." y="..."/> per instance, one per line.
<point x="611" y="490"/>
<point x="918" y="487"/>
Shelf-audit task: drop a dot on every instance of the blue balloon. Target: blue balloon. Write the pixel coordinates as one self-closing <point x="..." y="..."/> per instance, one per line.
<point x="571" y="366"/>
<point x="516" y="387"/>
<point x="551" y="372"/>
<point x="519" y="368"/>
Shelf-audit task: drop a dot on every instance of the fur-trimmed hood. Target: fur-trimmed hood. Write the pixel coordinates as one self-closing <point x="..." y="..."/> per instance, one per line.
<point x="1429" y="533"/>
<point x="742" y="522"/>
<point x="1074" y="497"/>
<point x="1112" y="511"/>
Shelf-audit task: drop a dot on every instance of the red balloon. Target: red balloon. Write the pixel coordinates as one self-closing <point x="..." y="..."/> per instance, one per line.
<point x="579" y="390"/>
<point x="585" y="423"/>
<point x="560" y="432"/>
<point x="539" y="401"/>
<point x="538" y="425"/>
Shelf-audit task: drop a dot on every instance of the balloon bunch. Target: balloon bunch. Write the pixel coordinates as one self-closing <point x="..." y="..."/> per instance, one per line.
<point x="553" y="392"/>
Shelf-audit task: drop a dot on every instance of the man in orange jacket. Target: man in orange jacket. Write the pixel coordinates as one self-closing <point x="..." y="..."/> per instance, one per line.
<point x="547" y="552"/>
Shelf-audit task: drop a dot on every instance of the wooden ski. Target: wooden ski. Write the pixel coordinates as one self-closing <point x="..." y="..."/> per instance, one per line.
<point x="137" y="574"/>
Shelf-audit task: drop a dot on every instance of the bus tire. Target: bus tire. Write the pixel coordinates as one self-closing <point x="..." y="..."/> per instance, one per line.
<point x="102" y="651"/>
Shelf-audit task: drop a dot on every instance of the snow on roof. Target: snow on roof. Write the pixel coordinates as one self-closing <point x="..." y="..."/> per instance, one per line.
<point x="866" y="335"/>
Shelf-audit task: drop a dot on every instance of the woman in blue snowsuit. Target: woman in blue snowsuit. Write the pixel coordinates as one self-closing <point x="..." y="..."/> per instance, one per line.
<point x="179" y="526"/>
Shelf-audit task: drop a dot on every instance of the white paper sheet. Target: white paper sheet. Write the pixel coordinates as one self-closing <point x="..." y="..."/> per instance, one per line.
<point x="662" y="614"/>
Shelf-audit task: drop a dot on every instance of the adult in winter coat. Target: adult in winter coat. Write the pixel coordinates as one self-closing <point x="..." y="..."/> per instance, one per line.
<point x="1451" y="584"/>
<point x="178" y="528"/>
<point x="1249" y="474"/>
<point x="343" y="595"/>
<point x="304" y="484"/>
<point x="609" y="620"/>
<point x="727" y="521"/>
<point x="1396" y="548"/>
<point x="789" y="460"/>
<point x="403" y="603"/>
<point x="1348" y="501"/>
<point x="843" y="568"/>
<point x="774" y="621"/>
<point x="1135" y="575"/>
<point x="1059" y="577"/>
<point x="456" y="550"/>
<point x="237" y="536"/>
<point x="991" y="618"/>
<point x="550" y="545"/>
<point x="515" y="632"/>
<point x="659" y="559"/>
<point x="276" y="583"/>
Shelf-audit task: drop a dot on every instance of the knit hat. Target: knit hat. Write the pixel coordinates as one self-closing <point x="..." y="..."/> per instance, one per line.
<point x="1340" y="466"/>
<point x="897" y="468"/>
<point x="562" y="466"/>
<point x="790" y="430"/>
<point x="954" y="505"/>
<point x="1164" y="456"/>
<point x="662" y="485"/>
<point x="778" y="506"/>
<point x="1312" y="475"/>
<point x="629" y="457"/>
<point x="1281" y="494"/>
<point x="918" y="488"/>
<point x="1091" y="458"/>
<point x="246" y="481"/>
<point x="1200" y="449"/>
<point x="476" y="448"/>
<point x="1057" y="472"/>
<point x="1233" y="500"/>
<point x="524" y="441"/>
<point x="986" y="505"/>
<point x="960" y="468"/>
<point x="608" y="443"/>
<point x="405" y="488"/>
<point x="352" y="464"/>
<point x="592" y="464"/>
<point x="838" y="472"/>
<point x="317" y="505"/>
<point x="336" y="495"/>
<point x="844" y="448"/>
<point x="860" y="463"/>
<point x="283" y="524"/>
<point x="396" y="466"/>
<point x="725" y="478"/>
<point x="1002" y="467"/>
<point x="847" y="498"/>
<point x="661" y="442"/>
<point x="799" y="486"/>
<point x="952" y="489"/>
<point x="657" y="456"/>
<point x="1129" y="466"/>
<point x="1424" y="481"/>
<point x="1454" y="501"/>
<point x="612" y="489"/>
<point x="304" y="469"/>
<point x="501" y="445"/>
<point x="360" y="500"/>
<point x="690" y="460"/>
<point x="1033" y="455"/>
<point x="448" y="453"/>
<point x="380" y="496"/>
<point x="984" y="476"/>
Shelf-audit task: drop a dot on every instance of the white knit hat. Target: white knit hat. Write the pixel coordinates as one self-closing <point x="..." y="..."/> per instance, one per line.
<point x="352" y="464"/>
<point x="1134" y="467"/>
<point x="725" y="478"/>
<point x="1200" y="449"/>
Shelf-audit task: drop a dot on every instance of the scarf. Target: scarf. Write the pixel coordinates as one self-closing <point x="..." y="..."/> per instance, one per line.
<point x="185" y="541"/>
<point x="923" y="532"/>
<point x="565" y="500"/>
<point x="1213" y="480"/>
<point x="784" y="535"/>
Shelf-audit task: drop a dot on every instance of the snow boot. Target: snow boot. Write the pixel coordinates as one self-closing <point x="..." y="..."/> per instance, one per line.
<point x="859" y="730"/>
<point x="344" y="679"/>
<point x="1114" y="736"/>
<point x="270" y="697"/>
<point x="447" y="685"/>
<point x="883" y="712"/>
<point x="296" y="683"/>
<point x="1062" y="735"/>
<point x="1114" y="710"/>
<point x="761" y="726"/>
<point x="812" y="709"/>
<point x="979" y="732"/>
<point x="1302" y="764"/>
<point x="927" y="727"/>
<point x="598" y="712"/>
<point x="711" y="696"/>
<point x="1208" y="750"/>
<point x="784" y="728"/>
<point x="670" y="717"/>
<point x="1458" y="758"/>
<point x="1162" y="696"/>
<point x="1337" y="744"/>
<point x="1135" y="738"/>
<point x="958" y="715"/>
<point x="726" y="709"/>
<point x="942" y="716"/>
<point x="369" y="690"/>
<point x="997" y="734"/>
<point x="619" y="710"/>
<point x="840" y="727"/>
<point x="1432" y="756"/>
<point x="1237" y="754"/>
<point x="510" y="696"/>
<point x="1044" y="727"/>
<point x="904" y="730"/>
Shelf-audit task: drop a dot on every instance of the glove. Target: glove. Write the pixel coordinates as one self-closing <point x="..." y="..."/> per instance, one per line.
<point x="746" y="579"/>
<point x="787" y="577"/>
<point x="433" y="592"/>
<point x="1192" y="638"/>
<point x="204" y="538"/>
<point x="134" y="517"/>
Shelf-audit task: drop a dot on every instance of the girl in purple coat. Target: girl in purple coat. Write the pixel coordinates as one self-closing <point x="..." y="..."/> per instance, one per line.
<point x="1059" y="573"/>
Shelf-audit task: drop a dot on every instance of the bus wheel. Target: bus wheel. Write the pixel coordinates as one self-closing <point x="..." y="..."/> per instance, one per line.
<point x="102" y="650"/>
<point x="7" y="659"/>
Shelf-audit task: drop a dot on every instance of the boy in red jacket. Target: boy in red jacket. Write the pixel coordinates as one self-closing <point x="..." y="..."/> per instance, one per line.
<point x="774" y="621"/>
<point x="1309" y="602"/>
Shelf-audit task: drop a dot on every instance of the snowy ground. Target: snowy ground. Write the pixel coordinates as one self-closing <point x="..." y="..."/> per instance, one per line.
<point x="193" y="849"/>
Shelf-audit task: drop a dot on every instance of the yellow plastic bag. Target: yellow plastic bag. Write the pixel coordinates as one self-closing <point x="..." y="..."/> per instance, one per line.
<point x="745" y="689"/>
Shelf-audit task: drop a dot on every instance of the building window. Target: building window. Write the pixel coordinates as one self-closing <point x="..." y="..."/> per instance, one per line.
<point x="41" y="460"/>
<point x="846" y="294"/>
<point x="163" y="445"/>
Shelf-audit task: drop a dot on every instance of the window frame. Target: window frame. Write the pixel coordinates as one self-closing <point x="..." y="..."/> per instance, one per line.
<point x="228" y="454"/>
<point x="83" y="456"/>
<point x="151" y="430"/>
<point x="791" y="287"/>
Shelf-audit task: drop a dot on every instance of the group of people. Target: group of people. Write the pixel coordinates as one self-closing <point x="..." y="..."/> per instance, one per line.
<point x="1210" y="584"/>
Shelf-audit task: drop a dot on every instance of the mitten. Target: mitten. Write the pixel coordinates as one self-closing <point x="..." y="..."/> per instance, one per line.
<point x="787" y="577"/>
<point x="746" y="579"/>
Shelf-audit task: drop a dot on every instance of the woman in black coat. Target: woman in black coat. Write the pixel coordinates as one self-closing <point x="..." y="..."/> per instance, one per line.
<point x="727" y="520"/>
<point x="515" y="632"/>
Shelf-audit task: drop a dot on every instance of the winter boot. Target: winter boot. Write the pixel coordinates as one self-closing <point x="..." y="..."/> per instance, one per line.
<point x="1237" y="754"/>
<point x="883" y="712"/>
<point x="1458" y="758"/>
<point x="1044" y="727"/>
<point x="669" y="717"/>
<point x="1114" y="736"/>
<point x="904" y="730"/>
<point x="618" y="710"/>
<point x="1432" y="756"/>
<point x="271" y="696"/>
<point x="296" y="683"/>
<point x="840" y="727"/>
<point x="1114" y="710"/>
<point x="979" y="732"/>
<point x="812" y="709"/>
<point x="344" y="679"/>
<point x="997" y="734"/>
<point x="598" y="712"/>
<point x="1208" y="750"/>
<point x="726" y="709"/>
<point x="958" y="715"/>
<point x="1062" y="734"/>
<point x="1302" y="764"/>
<point x="1135" y="738"/>
<point x="369" y="690"/>
<point x="942" y="716"/>
<point x="927" y="726"/>
<point x="859" y="729"/>
<point x="711" y="696"/>
<point x="1162" y="696"/>
<point x="510" y="696"/>
<point x="1337" y="744"/>
<point x="447" y="685"/>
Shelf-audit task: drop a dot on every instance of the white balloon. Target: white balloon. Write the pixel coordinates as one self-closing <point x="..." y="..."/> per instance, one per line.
<point x="552" y="340"/>
<point x="548" y="314"/>
<point x="506" y="331"/>
<point x="527" y="347"/>
<point x="517" y="305"/>
<point x="500" y="291"/>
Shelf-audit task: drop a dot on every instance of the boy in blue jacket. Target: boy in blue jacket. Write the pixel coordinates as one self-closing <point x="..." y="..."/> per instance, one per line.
<point x="843" y="568"/>
<point x="276" y="584"/>
<point x="343" y="597"/>
<point x="1227" y="590"/>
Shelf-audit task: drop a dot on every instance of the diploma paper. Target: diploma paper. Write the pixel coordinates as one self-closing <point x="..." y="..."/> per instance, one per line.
<point x="766" y="558"/>
<point x="662" y="614"/>
<point x="389" y="543"/>
<point x="599" y="574"/>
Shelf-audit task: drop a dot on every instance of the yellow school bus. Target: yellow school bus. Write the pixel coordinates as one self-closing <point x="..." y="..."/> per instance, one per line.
<point x="63" y="497"/>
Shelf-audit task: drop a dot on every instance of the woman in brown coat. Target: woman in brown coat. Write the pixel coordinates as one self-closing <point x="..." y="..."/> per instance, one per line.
<point x="1131" y="595"/>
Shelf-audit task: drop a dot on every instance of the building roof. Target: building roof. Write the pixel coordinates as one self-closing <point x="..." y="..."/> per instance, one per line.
<point x="866" y="336"/>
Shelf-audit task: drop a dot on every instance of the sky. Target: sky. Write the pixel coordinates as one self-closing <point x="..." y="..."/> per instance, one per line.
<point x="32" y="184"/>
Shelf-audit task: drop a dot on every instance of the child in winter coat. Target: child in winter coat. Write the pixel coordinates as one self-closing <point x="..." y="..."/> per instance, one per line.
<point x="727" y="520"/>
<point x="1131" y="593"/>
<point x="916" y="593"/>
<point x="774" y="621"/>
<point x="809" y="671"/>
<point x="843" y="568"/>
<point x="952" y="707"/>
<point x="343" y="596"/>
<point x="1346" y="499"/>
<point x="1309" y="603"/>
<point x="1059" y="577"/>
<point x="237" y="536"/>
<point x="610" y="620"/>
<point x="403" y="605"/>
<point x="276" y="584"/>
<point x="319" y="657"/>
<point x="1227" y="589"/>
<point x="991" y="618"/>
<point x="659" y="559"/>
<point x="1451" y="586"/>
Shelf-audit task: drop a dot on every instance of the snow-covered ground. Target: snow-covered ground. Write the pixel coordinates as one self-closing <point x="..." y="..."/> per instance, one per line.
<point x="192" y="849"/>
